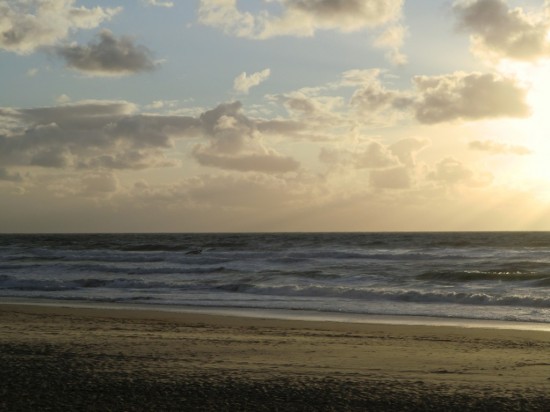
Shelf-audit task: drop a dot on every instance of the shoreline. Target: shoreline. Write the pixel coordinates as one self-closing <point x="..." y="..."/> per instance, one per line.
<point x="69" y="358"/>
<point x="286" y="314"/>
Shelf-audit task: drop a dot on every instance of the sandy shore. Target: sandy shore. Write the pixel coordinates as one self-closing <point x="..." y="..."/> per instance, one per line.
<point x="54" y="358"/>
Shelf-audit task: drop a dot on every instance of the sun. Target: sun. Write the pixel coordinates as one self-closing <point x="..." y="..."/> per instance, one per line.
<point x="532" y="132"/>
<point x="535" y="77"/>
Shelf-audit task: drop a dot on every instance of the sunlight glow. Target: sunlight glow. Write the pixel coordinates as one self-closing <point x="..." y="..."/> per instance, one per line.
<point x="534" y="132"/>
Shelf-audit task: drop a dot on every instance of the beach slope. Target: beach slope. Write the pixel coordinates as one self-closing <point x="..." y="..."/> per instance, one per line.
<point x="57" y="358"/>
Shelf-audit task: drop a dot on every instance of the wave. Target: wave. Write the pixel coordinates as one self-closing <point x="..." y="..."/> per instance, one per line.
<point x="155" y="247"/>
<point x="306" y="274"/>
<point x="506" y="275"/>
<point x="179" y="270"/>
<point x="10" y="283"/>
<point x="399" y="295"/>
<point x="33" y="258"/>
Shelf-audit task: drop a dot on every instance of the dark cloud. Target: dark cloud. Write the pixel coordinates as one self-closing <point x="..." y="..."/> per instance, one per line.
<point x="6" y="175"/>
<point x="499" y="31"/>
<point x="351" y="12"/>
<point x="270" y="162"/>
<point x="234" y="142"/>
<point x="111" y="135"/>
<point x="301" y="105"/>
<point x="280" y="126"/>
<point x="227" y="127"/>
<point x="109" y="56"/>
<point x="91" y="135"/>
<point x="471" y="96"/>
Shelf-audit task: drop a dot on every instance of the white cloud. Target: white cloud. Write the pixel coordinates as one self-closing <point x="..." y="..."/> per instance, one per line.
<point x="159" y="3"/>
<point x="370" y="155"/>
<point x="299" y="17"/>
<point x="393" y="39"/>
<point x="303" y="18"/>
<point x="32" y="72"/>
<point x="26" y="25"/>
<point x="243" y="82"/>
<point x="451" y="172"/>
<point x="493" y="147"/>
<point x="373" y="101"/>
<point x="62" y="98"/>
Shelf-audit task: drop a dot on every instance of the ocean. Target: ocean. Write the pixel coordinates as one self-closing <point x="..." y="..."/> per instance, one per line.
<point x="489" y="276"/>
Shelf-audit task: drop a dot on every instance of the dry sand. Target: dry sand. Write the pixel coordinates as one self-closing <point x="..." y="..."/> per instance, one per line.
<point x="54" y="358"/>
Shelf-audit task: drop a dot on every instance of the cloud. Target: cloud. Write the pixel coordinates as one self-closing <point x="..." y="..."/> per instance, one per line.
<point x="393" y="39"/>
<point x="450" y="172"/>
<point x="394" y="178"/>
<point x="283" y="127"/>
<point x="457" y="96"/>
<point x="299" y="17"/>
<point x="320" y="113"/>
<point x="373" y="101"/>
<point x="406" y="149"/>
<point x="498" y="148"/>
<point x="158" y="3"/>
<point x="227" y="128"/>
<point x="99" y="184"/>
<point x="473" y="96"/>
<point x="7" y="176"/>
<point x="252" y="191"/>
<point x="372" y="155"/>
<point x="90" y="135"/>
<point x="108" y="57"/>
<point x="235" y="143"/>
<point x="26" y="25"/>
<point x="243" y="82"/>
<point x="375" y="155"/>
<point x="110" y="135"/>
<point x="257" y="192"/>
<point x="62" y="98"/>
<point x="269" y="162"/>
<point x="501" y="32"/>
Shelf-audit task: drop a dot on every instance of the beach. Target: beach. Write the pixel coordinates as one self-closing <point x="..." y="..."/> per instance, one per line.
<point x="63" y="358"/>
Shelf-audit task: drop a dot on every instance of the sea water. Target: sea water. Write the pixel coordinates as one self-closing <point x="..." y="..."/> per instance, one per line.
<point x="491" y="276"/>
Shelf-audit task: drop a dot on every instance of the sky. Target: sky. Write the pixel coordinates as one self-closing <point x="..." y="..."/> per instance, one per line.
<point x="274" y="115"/>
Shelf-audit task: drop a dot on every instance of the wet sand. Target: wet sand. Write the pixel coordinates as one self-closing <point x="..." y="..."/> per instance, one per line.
<point x="55" y="358"/>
